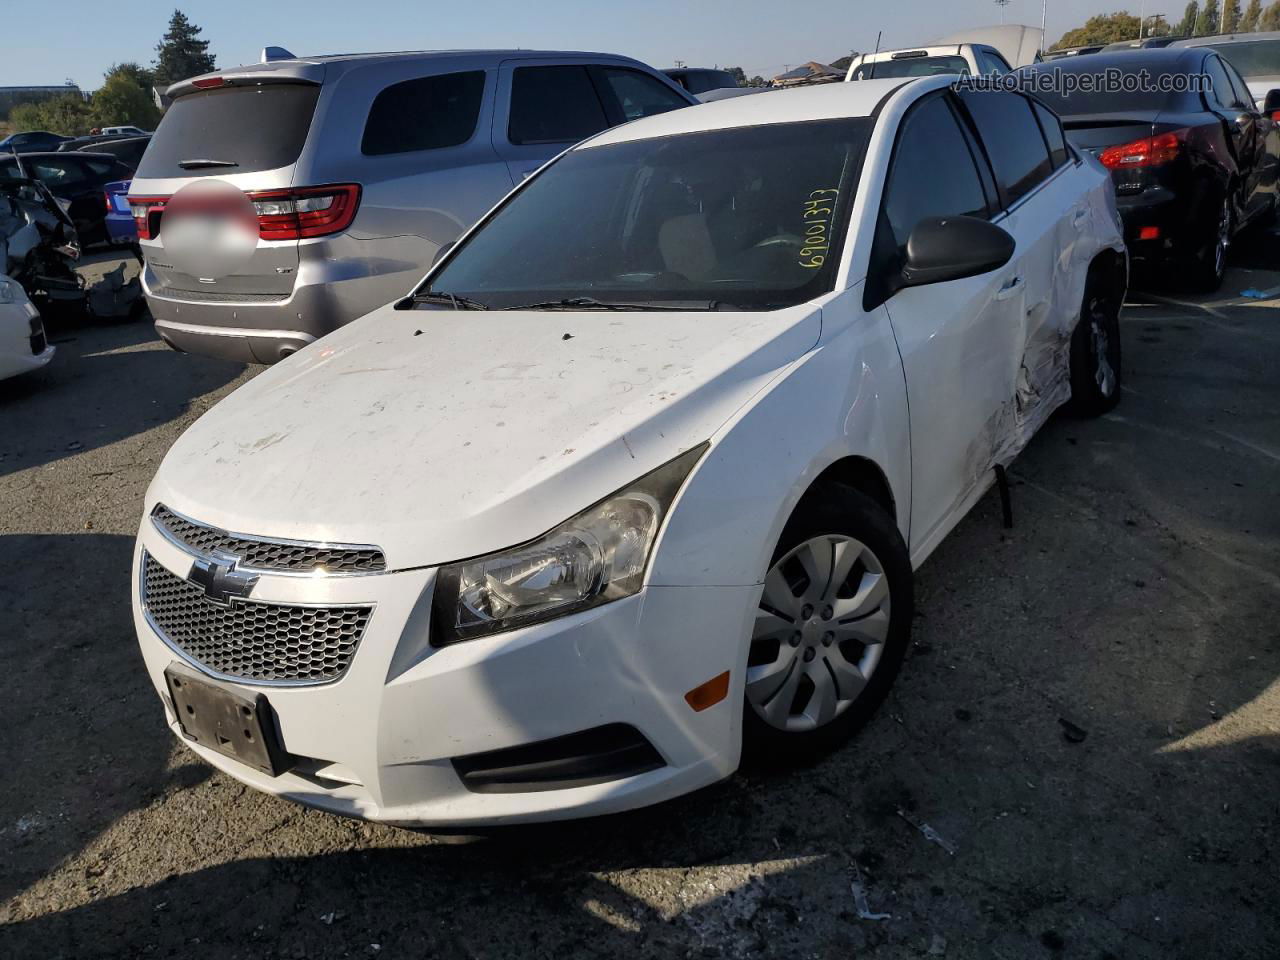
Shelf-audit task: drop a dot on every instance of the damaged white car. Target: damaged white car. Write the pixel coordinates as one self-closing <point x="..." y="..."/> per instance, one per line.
<point x="23" y="344"/>
<point x="638" y="478"/>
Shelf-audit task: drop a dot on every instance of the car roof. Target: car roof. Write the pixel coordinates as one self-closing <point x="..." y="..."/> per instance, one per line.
<point x="1166" y="59"/>
<point x="830" y="101"/>
<point x="1227" y="38"/>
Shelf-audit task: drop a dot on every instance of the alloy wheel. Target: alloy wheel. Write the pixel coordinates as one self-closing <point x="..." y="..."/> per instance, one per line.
<point x="819" y="633"/>
<point x="1223" y="240"/>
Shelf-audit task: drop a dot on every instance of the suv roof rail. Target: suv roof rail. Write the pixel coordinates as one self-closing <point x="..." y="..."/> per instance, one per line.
<point x="276" y="53"/>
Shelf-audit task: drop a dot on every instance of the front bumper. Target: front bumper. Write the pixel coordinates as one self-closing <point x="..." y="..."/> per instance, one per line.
<point x="379" y="742"/>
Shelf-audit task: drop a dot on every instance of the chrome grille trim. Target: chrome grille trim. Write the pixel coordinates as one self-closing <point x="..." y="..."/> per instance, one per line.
<point x="219" y="640"/>
<point x="268" y="554"/>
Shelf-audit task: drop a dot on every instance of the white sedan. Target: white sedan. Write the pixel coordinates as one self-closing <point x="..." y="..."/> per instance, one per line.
<point x="23" y="344"/>
<point x="637" y="479"/>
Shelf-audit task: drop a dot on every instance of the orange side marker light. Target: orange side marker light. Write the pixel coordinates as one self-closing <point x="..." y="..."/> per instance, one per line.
<point x="708" y="694"/>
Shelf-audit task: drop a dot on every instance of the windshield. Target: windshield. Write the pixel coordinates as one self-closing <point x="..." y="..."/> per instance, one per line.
<point x="747" y="218"/>
<point x="910" y="67"/>
<point x="1253" y="58"/>
<point x="243" y="129"/>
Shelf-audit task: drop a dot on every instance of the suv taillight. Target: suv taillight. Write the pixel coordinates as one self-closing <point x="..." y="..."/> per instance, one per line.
<point x="305" y="211"/>
<point x="1147" y="152"/>
<point x="146" y="215"/>
<point x="282" y="214"/>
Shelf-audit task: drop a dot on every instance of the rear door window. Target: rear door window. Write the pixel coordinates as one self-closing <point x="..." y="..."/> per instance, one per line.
<point x="640" y="95"/>
<point x="1012" y="137"/>
<point x="428" y="113"/>
<point x="1053" y="134"/>
<point x="258" y="127"/>
<point x="554" y="105"/>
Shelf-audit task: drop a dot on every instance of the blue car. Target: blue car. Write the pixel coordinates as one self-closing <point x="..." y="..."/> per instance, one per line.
<point x="121" y="227"/>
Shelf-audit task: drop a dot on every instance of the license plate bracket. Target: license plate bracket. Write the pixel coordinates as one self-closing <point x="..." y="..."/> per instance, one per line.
<point x="237" y="725"/>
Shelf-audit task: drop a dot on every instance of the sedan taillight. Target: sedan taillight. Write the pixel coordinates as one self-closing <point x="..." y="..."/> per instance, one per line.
<point x="1147" y="152"/>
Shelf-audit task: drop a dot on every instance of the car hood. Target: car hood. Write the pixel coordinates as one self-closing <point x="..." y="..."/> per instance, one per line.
<point x="439" y="435"/>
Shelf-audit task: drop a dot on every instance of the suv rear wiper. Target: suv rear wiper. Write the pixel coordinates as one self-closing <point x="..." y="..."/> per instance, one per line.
<point x="197" y="164"/>
<point x="590" y="303"/>
<point x="452" y="299"/>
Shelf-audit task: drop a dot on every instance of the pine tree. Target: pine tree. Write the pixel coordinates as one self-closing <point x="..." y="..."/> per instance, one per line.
<point x="1231" y="16"/>
<point x="1270" y="19"/>
<point x="1209" y="19"/>
<point x="1252" y="13"/>
<point x="181" y="53"/>
<point x="1187" y="26"/>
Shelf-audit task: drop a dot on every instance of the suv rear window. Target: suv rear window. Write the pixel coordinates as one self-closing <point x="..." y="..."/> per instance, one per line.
<point x="424" y="114"/>
<point x="258" y="127"/>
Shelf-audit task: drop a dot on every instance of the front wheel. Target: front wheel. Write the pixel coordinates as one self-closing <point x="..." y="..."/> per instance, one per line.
<point x="832" y="628"/>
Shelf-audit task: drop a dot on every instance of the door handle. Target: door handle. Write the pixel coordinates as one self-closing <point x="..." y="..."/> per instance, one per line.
<point x="1009" y="289"/>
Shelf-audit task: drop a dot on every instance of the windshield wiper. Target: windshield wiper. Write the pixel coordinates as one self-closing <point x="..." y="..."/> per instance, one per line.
<point x="197" y="164"/>
<point x="590" y="303"/>
<point x="452" y="299"/>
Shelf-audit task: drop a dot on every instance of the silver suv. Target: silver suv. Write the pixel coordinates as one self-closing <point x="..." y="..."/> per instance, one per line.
<point x="360" y="169"/>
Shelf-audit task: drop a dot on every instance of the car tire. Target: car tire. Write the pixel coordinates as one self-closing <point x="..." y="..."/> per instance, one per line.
<point x="1096" y="369"/>
<point x="850" y="635"/>
<point x="1209" y="268"/>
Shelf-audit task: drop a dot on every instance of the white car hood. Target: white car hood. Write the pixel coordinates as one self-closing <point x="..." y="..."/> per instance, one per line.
<point x="440" y="435"/>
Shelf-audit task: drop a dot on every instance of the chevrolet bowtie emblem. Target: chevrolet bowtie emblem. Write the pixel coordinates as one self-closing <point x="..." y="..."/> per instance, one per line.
<point x="220" y="578"/>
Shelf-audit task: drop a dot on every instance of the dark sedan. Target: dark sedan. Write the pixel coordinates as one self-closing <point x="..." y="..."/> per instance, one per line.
<point x="1191" y="169"/>
<point x="29" y="141"/>
<point x="79" y="179"/>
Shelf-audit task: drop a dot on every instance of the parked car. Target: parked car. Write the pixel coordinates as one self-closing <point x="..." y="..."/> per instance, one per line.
<point x="1146" y="43"/>
<point x="1191" y="169"/>
<point x="1019" y="45"/>
<point x="88" y="140"/>
<point x="128" y="150"/>
<point x="1255" y="55"/>
<point x="361" y="168"/>
<point x="23" y="344"/>
<point x="31" y="141"/>
<point x="121" y="227"/>
<point x="1065" y="52"/>
<point x="631" y="482"/>
<point x="698" y="80"/>
<point x="126" y="131"/>
<point x="78" y="179"/>
<point x="964" y="58"/>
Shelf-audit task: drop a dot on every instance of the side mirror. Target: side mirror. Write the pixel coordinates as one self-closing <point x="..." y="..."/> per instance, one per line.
<point x="952" y="248"/>
<point x="1271" y="105"/>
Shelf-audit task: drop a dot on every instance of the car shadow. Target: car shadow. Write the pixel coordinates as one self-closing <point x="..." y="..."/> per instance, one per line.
<point x="107" y="382"/>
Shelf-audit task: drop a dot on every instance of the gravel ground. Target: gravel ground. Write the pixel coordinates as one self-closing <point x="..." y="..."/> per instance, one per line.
<point x="1089" y="721"/>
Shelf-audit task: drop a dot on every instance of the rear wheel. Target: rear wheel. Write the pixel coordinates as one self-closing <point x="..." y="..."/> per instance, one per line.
<point x="832" y="628"/>
<point x="1095" y="350"/>
<point x="1210" y="266"/>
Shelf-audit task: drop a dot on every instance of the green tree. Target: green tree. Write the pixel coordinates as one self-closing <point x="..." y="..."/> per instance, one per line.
<point x="1187" y="26"/>
<point x="738" y="74"/>
<point x="1270" y="19"/>
<point x="1104" y="28"/>
<point x="1209" y="19"/>
<point x="1231" y="16"/>
<point x="1252" y="13"/>
<point x="68" y="115"/>
<point x="757" y="81"/>
<point x="181" y="53"/>
<point x="120" y="102"/>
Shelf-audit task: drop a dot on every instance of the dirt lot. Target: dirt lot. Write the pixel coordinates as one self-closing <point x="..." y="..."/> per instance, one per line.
<point x="1137" y="598"/>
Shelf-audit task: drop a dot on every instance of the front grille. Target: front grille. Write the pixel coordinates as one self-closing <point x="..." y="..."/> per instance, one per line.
<point x="251" y="640"/>
<point x="38" y="339"/>
<point x="288" y="556"/>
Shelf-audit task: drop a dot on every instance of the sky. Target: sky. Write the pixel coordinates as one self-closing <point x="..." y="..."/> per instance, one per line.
<point x="761" y="36"/>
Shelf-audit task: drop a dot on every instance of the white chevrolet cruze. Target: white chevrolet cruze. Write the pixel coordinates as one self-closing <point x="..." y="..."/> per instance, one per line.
<point x="637" y="478"/>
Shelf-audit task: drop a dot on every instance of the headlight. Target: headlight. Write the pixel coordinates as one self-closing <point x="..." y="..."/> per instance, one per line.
<point x="598" y="556"/>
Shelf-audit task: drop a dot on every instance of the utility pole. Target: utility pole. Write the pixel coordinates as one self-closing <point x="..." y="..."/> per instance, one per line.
<point x="1002" y="4"/>
<point x="1044" y="19"/>
<point x="679" y="64"/>
<point x="1142" y="18"/>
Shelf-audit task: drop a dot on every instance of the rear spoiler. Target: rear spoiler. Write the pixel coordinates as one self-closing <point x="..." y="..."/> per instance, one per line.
<point x="277" y="71"/>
